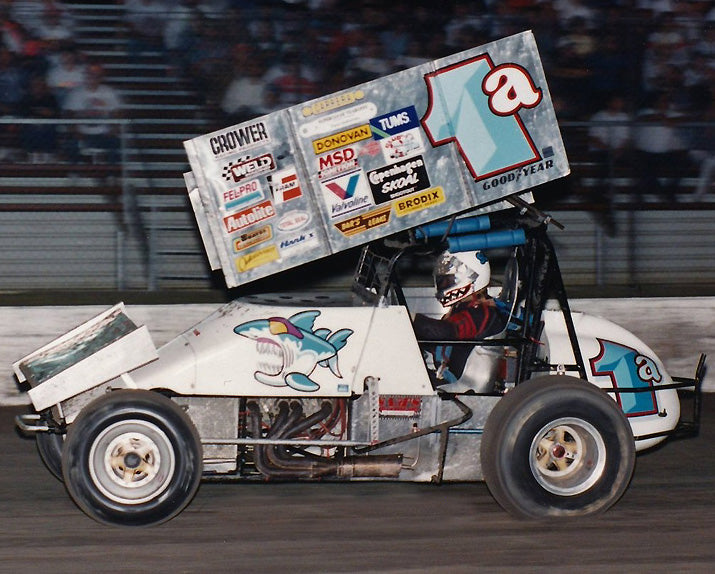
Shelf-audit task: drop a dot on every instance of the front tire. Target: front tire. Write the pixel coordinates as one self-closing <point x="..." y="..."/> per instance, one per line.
<point x="49" y="445"/>
<point x="557" y="446"/>
<point x="132" y="458"/>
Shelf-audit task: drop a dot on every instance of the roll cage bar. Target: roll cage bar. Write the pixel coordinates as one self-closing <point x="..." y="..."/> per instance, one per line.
<point x="376" y="279"/>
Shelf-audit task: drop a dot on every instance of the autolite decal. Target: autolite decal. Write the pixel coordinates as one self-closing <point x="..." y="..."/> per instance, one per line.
<point x="257" y="258"/>
<point x="251" y="238"/>
<point x="257" y="213"/>
<point x="342" y="139"/>
<point x="419" y="201"/>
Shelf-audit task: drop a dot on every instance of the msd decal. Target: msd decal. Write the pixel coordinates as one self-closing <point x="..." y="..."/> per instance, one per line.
<point x="475" y="104"/>
<point x="628" y="369"/>
<point x="291" y="349"/>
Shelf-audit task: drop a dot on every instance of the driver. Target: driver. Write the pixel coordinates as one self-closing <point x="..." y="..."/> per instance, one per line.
<point x="461" y="282"/>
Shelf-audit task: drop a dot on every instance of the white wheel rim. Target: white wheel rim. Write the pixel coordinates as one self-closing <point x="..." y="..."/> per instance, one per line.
<point x="567" y="456"/>
<point x="132" y="462"/>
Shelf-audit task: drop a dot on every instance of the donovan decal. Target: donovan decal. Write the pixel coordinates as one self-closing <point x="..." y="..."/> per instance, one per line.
<point x="475" y="104"/>
<point x="628" y="369"/>
<point x="290" y="349"/>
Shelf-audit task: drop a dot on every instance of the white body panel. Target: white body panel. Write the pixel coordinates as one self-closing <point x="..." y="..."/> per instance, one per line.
<point x="631" y="364"/>
<point x="212" y="359"/>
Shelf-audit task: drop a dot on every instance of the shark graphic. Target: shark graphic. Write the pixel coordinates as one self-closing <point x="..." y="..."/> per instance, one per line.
<point x="291" y="348"/>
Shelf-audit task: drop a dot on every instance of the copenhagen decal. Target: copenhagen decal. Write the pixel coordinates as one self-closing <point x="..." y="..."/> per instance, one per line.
<point x="402" y="178"/>
<point x="628" y="369"/>
<point x="475" y="104"/>
<point x="291" y="349"/>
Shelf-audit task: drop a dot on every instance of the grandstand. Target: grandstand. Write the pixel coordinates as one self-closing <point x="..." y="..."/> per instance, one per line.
<point x="128" y="226"/>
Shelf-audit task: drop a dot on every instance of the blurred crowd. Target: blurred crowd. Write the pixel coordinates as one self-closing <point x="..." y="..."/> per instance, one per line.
<point x="605" y="60"/>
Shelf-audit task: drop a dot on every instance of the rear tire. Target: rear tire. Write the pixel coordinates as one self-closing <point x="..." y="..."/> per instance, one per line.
<point x="49" y="445"/>
<point x="557" y="446"/>
<point x="132" y="458"/>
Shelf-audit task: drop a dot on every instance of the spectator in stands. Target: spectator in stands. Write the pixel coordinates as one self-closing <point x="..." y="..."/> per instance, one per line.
<point x="12" y="90"/>
<point x="54" y="29"/>
<point x="12" y="83"/>
<point x="609" y="148"/>
<point x="39" y="140"/>
<point x="67" y="72"/>
<point x="661" y="149"/>
<point x="208" y="61"/>
<point x="292" y="85"/>
<point x="96" y="101"/>
<point x="246" y="95"/>
<point x="145" y="21"/>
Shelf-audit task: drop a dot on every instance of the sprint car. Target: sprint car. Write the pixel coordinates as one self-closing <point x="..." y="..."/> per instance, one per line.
<point x="336" y="386"/>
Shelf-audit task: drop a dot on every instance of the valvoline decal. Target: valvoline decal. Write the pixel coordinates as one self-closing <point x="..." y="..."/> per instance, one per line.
<point x="628" y="370"/>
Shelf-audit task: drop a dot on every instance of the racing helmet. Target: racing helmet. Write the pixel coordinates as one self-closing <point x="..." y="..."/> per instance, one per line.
<point x="458" y="275"/>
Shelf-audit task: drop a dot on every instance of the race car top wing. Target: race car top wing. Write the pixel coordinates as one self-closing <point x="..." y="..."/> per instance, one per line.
<point x="456" y="134"/>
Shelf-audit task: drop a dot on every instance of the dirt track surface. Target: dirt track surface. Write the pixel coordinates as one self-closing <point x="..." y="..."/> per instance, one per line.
<point x="664" y="523"/>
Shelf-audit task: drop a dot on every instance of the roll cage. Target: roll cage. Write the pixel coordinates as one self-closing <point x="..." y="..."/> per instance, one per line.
<point x="532" y="279"/>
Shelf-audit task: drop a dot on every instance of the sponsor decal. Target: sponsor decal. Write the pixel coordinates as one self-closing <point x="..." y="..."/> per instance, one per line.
<point x="628" y="370"/>
<point x="333" y="102"/>
<point x="285" y="185"/>
<point x="257" y="213"/>
<point x="300" y="239"/>
<point x="402" y="178"/>
<point x="337" y="162"/>
<point x="402" y="145"/>
<point x="250" y="167"/>
<point x="400" y="406"/>
<point x="346" y="193"/>
<point x="238" y="139"/>
<point x="474" y="104"/>
<point x="419" y="201"/>
<point x="395" y="122"/>
<point x="294" y="220"/>
<point x="534" y="168"/>
<point x="248" y="192"/>
<point x="341" y="139"/>
<point x="364" y="221"/>
<point x="257" y="258"/>
<point x="358" y="114"/>
<point x="251" y="238"/>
